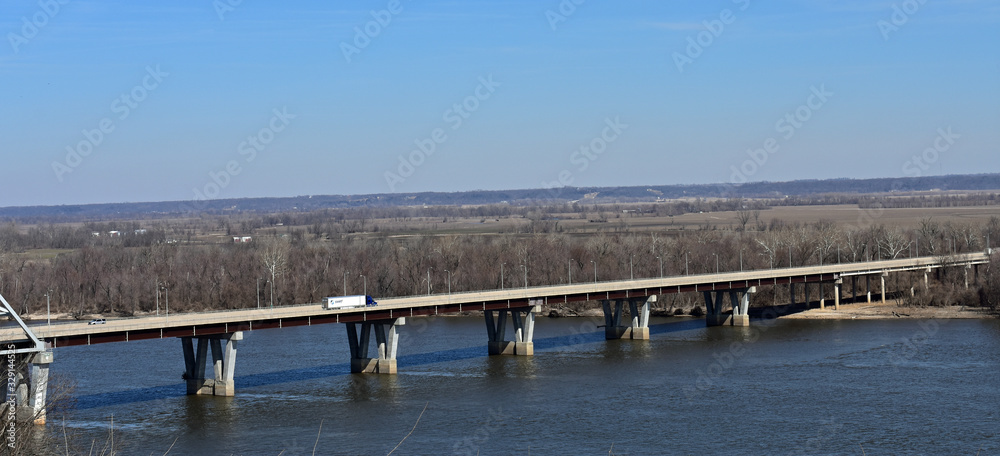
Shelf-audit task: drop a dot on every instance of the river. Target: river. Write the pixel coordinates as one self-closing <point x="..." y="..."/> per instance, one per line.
<point x="777" y="387"/>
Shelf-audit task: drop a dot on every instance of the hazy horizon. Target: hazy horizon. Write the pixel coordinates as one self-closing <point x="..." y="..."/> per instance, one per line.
<point x="119" y="102"/>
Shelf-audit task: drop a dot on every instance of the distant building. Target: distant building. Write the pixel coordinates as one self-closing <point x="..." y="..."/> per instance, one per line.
<point x="242" y="239"/>
<point x="140" y="231"/>
<point x="96" y="234"/>
<point x="114" y="233"/>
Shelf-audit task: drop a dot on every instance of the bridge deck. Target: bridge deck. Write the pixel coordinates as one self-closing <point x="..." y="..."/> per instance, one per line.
<point x="208" y="323"/>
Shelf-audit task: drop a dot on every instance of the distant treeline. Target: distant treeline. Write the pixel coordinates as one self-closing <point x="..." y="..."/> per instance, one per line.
<point x="801" y="190"/>
<point x="136" y="272"/>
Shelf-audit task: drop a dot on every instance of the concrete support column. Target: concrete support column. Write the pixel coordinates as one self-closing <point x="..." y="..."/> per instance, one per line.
<point x="854" y="289"/>
<point x="739" y="300"/>
<point x="386" y="345"/>
<point x="808" y="302"/>
<point x="791" y="293"/>
<point x="713" y="309"/>
<point x="883" y="287"/>
<point x="868" y="287"/>
<point x="836" y="293"/>
<point x="27" y="385"/>
<point x="223" y="363"/>
<point x="926" y="280"/>
<point x="523" y="321"/>
<point x="822" y="297"/>
<point x="638" y="327"/>
<point x="966" y="271"/>
<point x="613" y="328"/>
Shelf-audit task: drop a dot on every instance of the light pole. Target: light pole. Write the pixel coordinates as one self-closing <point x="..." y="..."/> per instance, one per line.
<point x="48" y="308"/>
<point x="686" y="270"/>
<point x="661" y="266"/>
<point x="449" y="280"/>
<point x="429" y="281"/>
<point x="595" y="271"/>
<point x="569" y="271"/>
<point x="716" y="262"/>
<point x="365" y="279"/>
<point x="501" y="275"/>
<point x="631" y="274"/>
<point x="258" y="293"/>
<point x="166" y="293"/>
<point x="525" y="267"/>
<point x="741" y="260"/>
<point x="345" y="286"/>
<point x="157" y="288"/>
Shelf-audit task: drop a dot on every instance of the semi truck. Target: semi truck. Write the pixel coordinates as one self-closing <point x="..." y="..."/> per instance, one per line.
<point x="348" y="302"/>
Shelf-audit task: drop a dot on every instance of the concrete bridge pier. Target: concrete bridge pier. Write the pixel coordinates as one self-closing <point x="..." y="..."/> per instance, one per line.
<point x="837" y="286"/>
<point x="223" y="364"/>
<point x="27" y="384"/>
<point x="523" y="321"/>
<point x="883" y="276"/>
<point x="740" y="301"/>
<point x="822" y="297"/>
<point x="868" y="287"/>
<point x="386" y="345"/>
<point x="638" y="329"/>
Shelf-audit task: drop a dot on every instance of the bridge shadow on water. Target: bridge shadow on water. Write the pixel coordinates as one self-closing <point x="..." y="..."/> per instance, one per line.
<point x="586" y="333"/>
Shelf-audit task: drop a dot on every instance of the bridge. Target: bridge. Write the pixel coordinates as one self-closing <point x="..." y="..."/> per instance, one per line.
<point x="218" y="333"/>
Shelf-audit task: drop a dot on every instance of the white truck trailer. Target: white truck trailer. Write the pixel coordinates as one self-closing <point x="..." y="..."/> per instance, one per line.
<point x="348" y="302"/>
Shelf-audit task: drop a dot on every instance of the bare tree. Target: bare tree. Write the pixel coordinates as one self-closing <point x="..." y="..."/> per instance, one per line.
<point x="273" y="253"/>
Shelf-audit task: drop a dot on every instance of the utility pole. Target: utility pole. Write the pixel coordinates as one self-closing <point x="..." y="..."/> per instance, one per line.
<point x="569" y="271"/>
<point x="449" y="280"/>
<point x="366" y="283"/>
<point x="595" y="271"/>
<point x="501" y="275"/>
<point x="525" y="275"/>
<point x="345" y="286"/>
<point x="48" y="308"/>
<point x="661" y="266"/>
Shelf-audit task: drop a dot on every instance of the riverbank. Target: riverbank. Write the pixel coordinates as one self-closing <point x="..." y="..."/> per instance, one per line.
<point x="874" y="311"/>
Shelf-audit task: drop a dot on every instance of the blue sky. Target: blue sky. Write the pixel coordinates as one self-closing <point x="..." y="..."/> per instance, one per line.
<point x="228" y="99"/>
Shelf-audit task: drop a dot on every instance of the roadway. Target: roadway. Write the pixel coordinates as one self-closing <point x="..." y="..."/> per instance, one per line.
<point x="223" y="322"/>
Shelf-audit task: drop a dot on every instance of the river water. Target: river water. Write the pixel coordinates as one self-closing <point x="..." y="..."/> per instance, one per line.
<point x="778" y="387"/>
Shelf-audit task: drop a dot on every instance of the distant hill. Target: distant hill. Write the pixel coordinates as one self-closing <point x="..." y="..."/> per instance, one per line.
<point x="644" y="193"/>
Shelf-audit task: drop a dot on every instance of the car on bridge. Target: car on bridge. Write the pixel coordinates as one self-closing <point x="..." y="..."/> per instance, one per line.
<point x="97" y="321"/>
